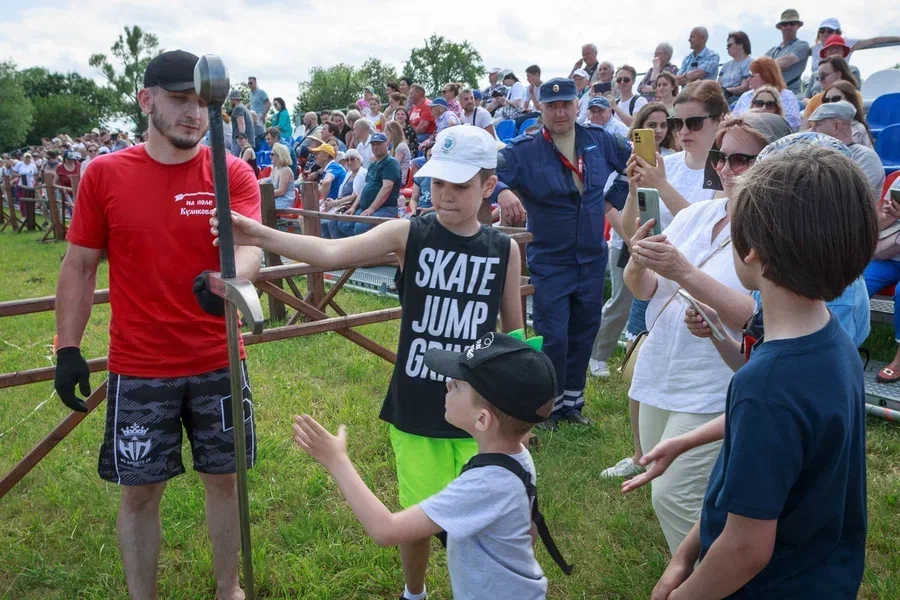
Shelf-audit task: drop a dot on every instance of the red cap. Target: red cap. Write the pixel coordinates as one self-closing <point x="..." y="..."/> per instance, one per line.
<point x="831" y="42"/>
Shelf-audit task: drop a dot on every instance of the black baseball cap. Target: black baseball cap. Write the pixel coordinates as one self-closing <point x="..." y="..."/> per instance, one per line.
<point x="172" y="70"/>
<point x="508" y="372"/>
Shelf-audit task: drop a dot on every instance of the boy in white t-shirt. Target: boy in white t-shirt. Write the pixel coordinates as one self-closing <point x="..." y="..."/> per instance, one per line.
<point x="497" y="389"/>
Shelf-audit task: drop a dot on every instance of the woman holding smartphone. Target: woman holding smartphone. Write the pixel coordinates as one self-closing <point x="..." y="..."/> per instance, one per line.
<point x="680" y="380"/>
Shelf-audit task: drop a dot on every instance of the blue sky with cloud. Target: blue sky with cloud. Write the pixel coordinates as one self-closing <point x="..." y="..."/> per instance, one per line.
<point x="278" y="42"/>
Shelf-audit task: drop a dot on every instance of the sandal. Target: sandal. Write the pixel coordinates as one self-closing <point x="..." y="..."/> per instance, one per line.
<point x="887" y="375"/>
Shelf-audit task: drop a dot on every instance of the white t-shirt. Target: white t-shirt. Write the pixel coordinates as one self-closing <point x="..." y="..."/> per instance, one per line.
<point x="688" y="182"/>
<point x="675" y="370"/>
<point x="518" y="91"/>
<point x="359" y="181"/>
<point x="624" y="105"/>
<point x="487" y="516"/>
<point x="26" y="173"/>
<point x="480" y="117"/>
<point x="365" y="151"/>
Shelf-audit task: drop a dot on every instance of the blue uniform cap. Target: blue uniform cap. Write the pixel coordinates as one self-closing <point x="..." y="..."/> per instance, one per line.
<point x="600" y="101"/>
<point x="558" y="89"/>
<point x="476" y="94"/>
<point x="378" y="137"/>
<point x="439" y="101"/>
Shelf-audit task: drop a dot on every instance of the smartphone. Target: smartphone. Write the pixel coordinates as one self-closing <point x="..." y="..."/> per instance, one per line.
<point x="602" y="88"/>
<point x="648" y="208"/>
<point x="895" y="195"/>
<point x="689" y="300"/>
<point x="644" y="144"/>
<point x="711" y="180"/>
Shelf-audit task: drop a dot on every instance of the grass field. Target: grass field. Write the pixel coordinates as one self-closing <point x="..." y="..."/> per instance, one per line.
<point x="58" y="536"/>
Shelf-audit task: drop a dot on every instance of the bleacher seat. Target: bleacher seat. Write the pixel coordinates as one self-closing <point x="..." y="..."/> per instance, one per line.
<point x="265" y="172"/>
<point x="506" y="130"/>
<point x="526" y="124"/>
<point x="879" y="84"/>
<point x="887" y="145"/>
<point x="885" y="112"/>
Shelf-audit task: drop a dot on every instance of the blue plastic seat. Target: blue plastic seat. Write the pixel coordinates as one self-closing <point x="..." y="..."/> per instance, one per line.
<point x="526" y="124"/>
<point x="887" y="145"/>
<point x="506" y="130"/>
<point x="885" y="111"/>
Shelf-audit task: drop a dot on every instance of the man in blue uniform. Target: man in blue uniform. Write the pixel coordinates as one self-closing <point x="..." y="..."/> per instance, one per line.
<point x="561" y="173"/>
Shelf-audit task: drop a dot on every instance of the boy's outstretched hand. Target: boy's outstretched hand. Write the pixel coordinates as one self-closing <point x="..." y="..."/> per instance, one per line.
<point x="326" y="448"/>
<point x="247" y="232"/>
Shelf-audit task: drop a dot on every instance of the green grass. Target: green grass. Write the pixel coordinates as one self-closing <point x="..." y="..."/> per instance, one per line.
<point x="58" y="535"/>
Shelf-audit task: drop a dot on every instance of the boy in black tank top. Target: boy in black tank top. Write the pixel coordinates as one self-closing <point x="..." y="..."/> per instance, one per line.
<point x="456" y="277"/>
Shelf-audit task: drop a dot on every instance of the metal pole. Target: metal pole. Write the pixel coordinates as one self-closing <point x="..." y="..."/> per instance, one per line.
<point x="212" y="84"/>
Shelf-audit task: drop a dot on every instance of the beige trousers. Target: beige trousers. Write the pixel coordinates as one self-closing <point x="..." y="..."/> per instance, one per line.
<point x="678" y="493"/>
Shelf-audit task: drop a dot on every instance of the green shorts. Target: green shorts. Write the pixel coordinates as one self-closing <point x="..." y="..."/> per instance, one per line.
<point x="425" y="465"/>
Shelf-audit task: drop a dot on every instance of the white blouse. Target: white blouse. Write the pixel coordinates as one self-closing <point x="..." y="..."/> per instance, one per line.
<point x="675" y="370"/>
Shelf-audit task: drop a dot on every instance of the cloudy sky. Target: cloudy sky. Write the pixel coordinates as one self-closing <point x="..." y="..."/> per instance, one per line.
<point x="279" y="41"/>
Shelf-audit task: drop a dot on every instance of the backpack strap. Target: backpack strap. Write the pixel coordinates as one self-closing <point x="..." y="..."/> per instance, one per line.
<point x="513" y="466"/>
<point x="631" y="105"/>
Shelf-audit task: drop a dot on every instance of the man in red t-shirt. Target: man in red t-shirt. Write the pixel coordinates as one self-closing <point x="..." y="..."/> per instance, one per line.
<point x="148" y="206"/>
<point x="420" y="116"/>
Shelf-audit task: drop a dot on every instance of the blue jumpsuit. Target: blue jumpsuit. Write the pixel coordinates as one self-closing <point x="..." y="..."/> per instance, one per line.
<point x="567" y="259"/>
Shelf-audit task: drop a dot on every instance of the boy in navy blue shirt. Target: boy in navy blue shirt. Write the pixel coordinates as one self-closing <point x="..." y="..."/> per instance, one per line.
<point x="785" y="510"/>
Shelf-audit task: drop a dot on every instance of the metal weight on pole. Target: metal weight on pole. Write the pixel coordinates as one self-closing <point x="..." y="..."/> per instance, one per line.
<point x="212" y="84"/>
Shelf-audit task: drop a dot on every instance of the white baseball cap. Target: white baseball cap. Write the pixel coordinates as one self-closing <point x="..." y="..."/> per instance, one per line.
<point x="459" y="153"/>
<point x="580" y="73"/>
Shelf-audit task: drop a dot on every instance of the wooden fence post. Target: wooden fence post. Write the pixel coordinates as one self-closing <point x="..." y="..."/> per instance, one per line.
<point x="57" y="217"/>
<point x="267" y="193"/>
<point x="312" y="225"/>
<point x="11" y="203"/>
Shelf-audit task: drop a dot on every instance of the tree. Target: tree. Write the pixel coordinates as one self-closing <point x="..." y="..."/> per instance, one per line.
<point x="376" y="73"/>
<point x="15" y="109"/>
<point x="134" y="51"/>
<point x="328" y="88"/>
<point x="441" y="61"/>
<point x="65" y="103"/>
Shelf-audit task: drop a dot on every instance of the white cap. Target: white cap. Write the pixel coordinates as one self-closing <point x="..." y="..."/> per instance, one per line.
<point x="831" y="23"/>
<point x="494" y="70"/>
<point x="459" y="153"/>
<point x="580" y="73"/>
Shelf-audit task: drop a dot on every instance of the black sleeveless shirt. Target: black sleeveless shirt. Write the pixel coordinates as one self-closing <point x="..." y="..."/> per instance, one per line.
<point x="450" y="289"/>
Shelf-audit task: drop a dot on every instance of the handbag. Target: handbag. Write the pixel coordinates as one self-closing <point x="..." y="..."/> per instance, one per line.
<point x="628" y="363"/>
<point x="888" y="242"/>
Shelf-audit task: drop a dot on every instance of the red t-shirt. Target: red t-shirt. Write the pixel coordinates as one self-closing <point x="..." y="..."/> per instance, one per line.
<point x="422" y="112"/>
<point x="153" y="221"/>
<point x="64" y="174"/>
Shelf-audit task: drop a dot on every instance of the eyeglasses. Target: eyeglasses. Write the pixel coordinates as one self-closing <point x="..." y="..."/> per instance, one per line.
<point x="623" y="80"/>
<point x="832" y="99"/>
<point x="826" y="30"/>
<point x="824" y="76"/>
<point x="764" y="104"/>
<point x="693" y="123"/>
<point x="737" y="162"/>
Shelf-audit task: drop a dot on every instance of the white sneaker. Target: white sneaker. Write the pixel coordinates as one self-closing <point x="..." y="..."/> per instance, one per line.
<point x="623" y="468"/>
<point x="599" y="368"/>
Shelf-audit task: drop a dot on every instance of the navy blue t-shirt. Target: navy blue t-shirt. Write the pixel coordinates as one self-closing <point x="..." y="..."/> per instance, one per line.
<point x="794" y="451"/>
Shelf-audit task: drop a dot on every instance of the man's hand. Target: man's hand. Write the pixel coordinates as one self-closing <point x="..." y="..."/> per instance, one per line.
<point x="72" y="369"/>
<point x="327" y="449"/>
<point x="578" y="64"/>
<point x="246" y="231"/>
<point x="367" y="213"/>
<point x="662" y="455"/>
<point x="208" y="301"/>
<point x="674" y="575"/>
<point x="511" y="209"/>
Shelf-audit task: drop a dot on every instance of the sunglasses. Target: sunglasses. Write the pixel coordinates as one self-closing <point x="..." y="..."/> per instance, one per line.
<point x="832" y="99"/>
<point x="825" y="30"/>
<point x="623" y="80"/>
<point x="791" y="24"/>
<point x="737" y="162"/>
<point x="824" y="76"/>
<point x="693" y="123"/>
<point x="764" y="104"/>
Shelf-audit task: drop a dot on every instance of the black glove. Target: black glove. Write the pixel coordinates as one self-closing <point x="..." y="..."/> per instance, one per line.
<point x="72" y="369"/>
<point x="208" y="301"/>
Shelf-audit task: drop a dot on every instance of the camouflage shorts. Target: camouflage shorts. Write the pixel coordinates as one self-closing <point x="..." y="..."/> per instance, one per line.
<point x="144" y="421"/>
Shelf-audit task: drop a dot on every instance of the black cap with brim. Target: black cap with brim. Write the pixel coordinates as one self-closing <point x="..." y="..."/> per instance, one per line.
<point x="172" y="71"/>
<point x="506" y="371"/>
